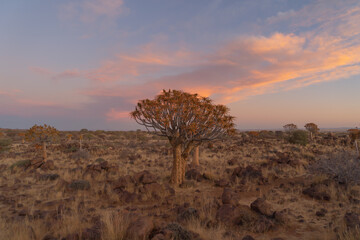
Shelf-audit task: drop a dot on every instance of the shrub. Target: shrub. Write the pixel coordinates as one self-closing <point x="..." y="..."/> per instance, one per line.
<point x="21" y="164"/>
<point x="299" y="137"/>
<point x="342" y="166"/>
<point x="5" y="144"/>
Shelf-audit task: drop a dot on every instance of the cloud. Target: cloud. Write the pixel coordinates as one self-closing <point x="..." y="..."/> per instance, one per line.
<point x="67" y="74"/>
<point x="321" y="44"/>
<point x="90" y="11"/>
<point x="114" y="115"/>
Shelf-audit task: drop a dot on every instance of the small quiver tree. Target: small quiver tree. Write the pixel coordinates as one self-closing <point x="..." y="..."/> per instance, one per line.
<point x="68" y="137"/>
<point x="81" y="137"/>
<point x="42" y="135"/>
<point x="312" y="128"/>
<point x="22" y="136"/>
<point x="354" y="135"/>
<point x="290" y="127"/>
<point x="186" y="120"/>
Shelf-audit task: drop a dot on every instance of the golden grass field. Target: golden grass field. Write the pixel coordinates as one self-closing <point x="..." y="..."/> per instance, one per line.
<point x="118" y="188"/>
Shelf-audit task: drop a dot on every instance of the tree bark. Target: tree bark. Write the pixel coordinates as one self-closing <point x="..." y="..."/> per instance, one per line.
<point x="357" y="148"/>
<point x="177" y="169"/>
<point x="44" y="151"/>
<point x="195" y="161"/>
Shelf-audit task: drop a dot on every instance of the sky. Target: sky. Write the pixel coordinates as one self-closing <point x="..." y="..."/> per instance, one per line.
<point x="78" y="64"/>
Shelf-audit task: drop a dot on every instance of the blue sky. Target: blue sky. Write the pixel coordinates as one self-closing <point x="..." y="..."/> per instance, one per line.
<point x="85" y="64"/>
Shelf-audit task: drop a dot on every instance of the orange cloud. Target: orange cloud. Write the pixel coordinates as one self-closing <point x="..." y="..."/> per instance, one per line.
<point x="114" y="115"/>
<point x="245" y="66"/>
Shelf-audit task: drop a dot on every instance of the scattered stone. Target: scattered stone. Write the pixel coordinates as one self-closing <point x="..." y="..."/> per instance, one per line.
<point x="140" y="228"/>
<point x="263" y="207"/>
<point x="248" y="237"/>
<point x="352" y="220"/>
<point x="317" y="193"/>
<point x="79" y="185"/>
<point x="321" y="212"/>
<point x="144" y="177"/>
<point x="194" y="174"/>
<point x="51" y="177"/>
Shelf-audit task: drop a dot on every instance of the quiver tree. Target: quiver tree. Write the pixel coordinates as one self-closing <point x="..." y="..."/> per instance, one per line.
<point x="186" y="120"/>
<point x="195" y="160"/>
<point x="22" y="136"/>
<point x="290" y="127"/>
<point x="42" y="135"/>
<point x="81" y="137"/>
<point x="68" y="137"/>
<point x="312" y="128"/>
<point x="354" y="136"/>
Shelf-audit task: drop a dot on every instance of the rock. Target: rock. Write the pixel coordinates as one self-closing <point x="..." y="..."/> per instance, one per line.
<point x="36" y="163"/>
<point x="188" y="214"/>
<point x="194" y="174"/>
<point x="140" y="228"/>
<point x="352" y="220"/>
<point x="222" y="183"/>
<point x="317" y="193"/>
<point x="49" y="237"/>
<point x="263" y="207"/>
<point x="262" y="225"/>
<point x="50" y="177"/>
<point x="248" y="174"/>
<point x="144" y="177"/>
<point x="79" y="185"/>
<point x="248" y="237"/>
<point x="154" y="189"/>
<point x="104" y="165"/>
<point x="123" y="182"/>
<point x="48" y="165"/>
<point x="321" y="212"/>
<point x="128" y="197"/>
<point x="232" y="162"/>
<point x="229" y="197"/>
<point x="178" y="232"/>
<point x="282" y="216"/>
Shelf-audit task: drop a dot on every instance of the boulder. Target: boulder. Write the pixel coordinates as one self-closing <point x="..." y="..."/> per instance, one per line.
<point x="352" y="220"/>
<point x="140" y="228"/>
<point x="144" y="177"/>
<point x="79" y="185"/>
<point x="263" y="207"/>
<point x="316" y="192"/>
<point x="194" y="174"/>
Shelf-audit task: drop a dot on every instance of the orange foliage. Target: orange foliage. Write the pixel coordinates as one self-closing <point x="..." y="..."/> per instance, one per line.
<point x="312" y="127"/>
<point x="184" y="117"/>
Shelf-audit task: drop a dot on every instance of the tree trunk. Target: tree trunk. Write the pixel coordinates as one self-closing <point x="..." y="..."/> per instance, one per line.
<point x="44" y="151"/>
<point x="177" y="169"/>
<point x="357" y="148"/>
<point x="195" y="161"/>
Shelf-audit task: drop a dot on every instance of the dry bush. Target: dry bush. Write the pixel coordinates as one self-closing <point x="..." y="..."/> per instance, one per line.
<point x="349" y="234"/>
<point x="115" y="226"/>
<point x="342" y="166"/>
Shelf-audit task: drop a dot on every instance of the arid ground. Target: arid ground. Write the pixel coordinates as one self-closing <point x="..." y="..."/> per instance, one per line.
<point x="117" y="187"/>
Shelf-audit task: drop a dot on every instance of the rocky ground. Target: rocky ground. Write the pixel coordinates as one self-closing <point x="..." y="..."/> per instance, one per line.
<point x="117" y="187"/>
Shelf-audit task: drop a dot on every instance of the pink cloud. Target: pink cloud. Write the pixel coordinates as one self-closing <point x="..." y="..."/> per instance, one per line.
<point x="114" y="115"/>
